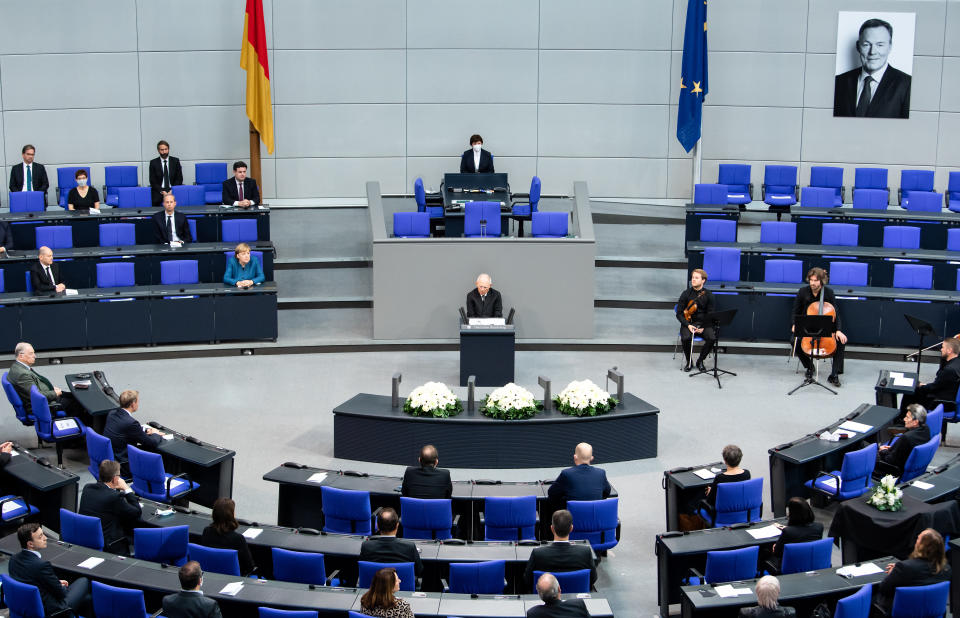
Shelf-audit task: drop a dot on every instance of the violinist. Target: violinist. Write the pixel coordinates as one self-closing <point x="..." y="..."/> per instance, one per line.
<point x="944" y="386"/>
<point x="692" y="309"/>
<point x="817" y="280"/>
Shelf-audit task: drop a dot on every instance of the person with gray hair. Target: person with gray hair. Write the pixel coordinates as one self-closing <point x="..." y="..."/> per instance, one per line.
<point x="767" y="591"/>
<point x="553" y="606"/>
<point x="22" y="376"/>
<point x="484" y="302"/>
<point x="891" y="459"/>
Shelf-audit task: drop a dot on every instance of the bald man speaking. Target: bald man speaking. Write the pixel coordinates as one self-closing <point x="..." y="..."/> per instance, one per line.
<point x="484" y="302"/>
<point x="582" y="481"/>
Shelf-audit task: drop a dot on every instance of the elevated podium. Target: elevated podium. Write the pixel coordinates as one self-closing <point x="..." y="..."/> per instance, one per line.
<point x="487" y="352"/>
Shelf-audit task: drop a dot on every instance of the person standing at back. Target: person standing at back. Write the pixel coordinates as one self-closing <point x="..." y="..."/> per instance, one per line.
<point x="427" y="480"/>
<point x="476" y="159"/>
<point x="29" y="175"/>
<point x="165" y="172"/>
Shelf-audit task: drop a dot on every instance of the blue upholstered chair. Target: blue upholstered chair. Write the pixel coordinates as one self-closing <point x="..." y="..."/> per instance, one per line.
<point x="14" y="509"/>
<point x="26" y="201"/>
<point x="818" y="197"/>
<point x="54" y="236"/>
<point x="783" y="271"/>
<point x="549" y="224"/>
<point x="809" y="556"/>
<point x="780" y="186"/>
<point x="848" y="273"/>
<point x="179" y="271"/>
<point x="921" y="201"/>
<point x="524" y="210"/>
<point x="114" y="602"/>
<point x="853" y="477"/>
<point x="81" y="530"/>
<point x="920" y="601"/>
<point x="727" y="566"/>
<point x="115" y="274"/>
<point x="210" y="176"/>
<point x="857" y="605"/>
<point x="595" y="521"/>
<point x="426" y="519"/>
<point x="345" y="511"/>
<point x="913" y="276"/>
<point x="713" y="194"/>
<point x="735" y="503"/>
<point x="13" y="397"/>
<point x="411" y="225"/>
<point x="151" y="481"/>
<point x="828" y="178"/>
<point x="911" y="181"/>
<point x="28" y="282"/>
<point x="953" y="239"/>
<point x="189" y="195"/>
<point x="420" y="195"/>
<point x="870" y="199"/>
<point x="840" y="234"/>
<point x="239" y="230"/>
<point x="192" y="224"/>
<point x="778" y="232"/>
<point x="571" y="582"/>
<point x="901" y="237"/>
<point x="870" y="178"/>
<point x="269" y="612"/>
<point x="718" y="230"/>
<point x="56" y="430"/>
<point x="722" y="263"/>
<point x="215" y="560"/>
<point x="134" y="197"/>
<point x="478" y="577"/>
<point x="66" y="180"/>
<point x="23" y="599"/>
<point x="919" y="458"/>
<point x="952" y="194"/>
<point x="366" y="571"/>
<point x="165" y="545"/>
<point x="301" y="567"/>
<point x="737" y="178"/>
<point x="116" y="176"/>
<point x="509" y="518"/>
<point x="477" y="212"/>
<point x="117" y="234"/>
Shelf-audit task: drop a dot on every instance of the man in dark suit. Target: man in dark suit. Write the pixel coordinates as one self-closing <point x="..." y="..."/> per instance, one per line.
<point x="891" y="459"/>
<point x="28" y="567"/>
<point x="115" y="504"/>
<point x="45" y="275"/>
<point x="875" y="89"/>
<point x="387" y="547"/>
<point x="553" y="606"/>
<point x="427" y="481"/>
<point x="240" y="190"/>
<point x="23" y="376"/>
<point x="123" y="429"/>
<point x="170" y="226"/>
<point x="29" y="176"/>
<point x="484" y="302"/>
<point x="190" y="602"/>
<point x="944" y="386"/>
<point x="165" y="172"/>
<point x="6" y="238"/>
<point x="582" y="481"/>
<point x="476" y="159"/>
<point x="561" y="554"/>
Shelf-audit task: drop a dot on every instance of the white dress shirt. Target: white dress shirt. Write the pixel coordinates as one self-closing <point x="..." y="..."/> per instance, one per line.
<point x="876" y="77"/>
<point x="476" y="161"/>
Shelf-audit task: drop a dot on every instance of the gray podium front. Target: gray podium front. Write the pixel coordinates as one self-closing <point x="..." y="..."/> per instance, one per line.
<point x="487" y="353"/>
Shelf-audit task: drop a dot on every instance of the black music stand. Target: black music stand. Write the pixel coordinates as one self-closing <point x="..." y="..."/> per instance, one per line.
<point x="818" y="327"/>
<point x="922" y="329"/>
<point x="717" y="319"/>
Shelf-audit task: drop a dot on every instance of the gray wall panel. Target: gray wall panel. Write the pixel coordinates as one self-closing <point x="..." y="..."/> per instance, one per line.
<point x="818" y="80"/>
<point x="339" y="76"/>
<point x="339" y="177"/>
<point x="605" y="177"/>
<point x="680" y="178"/>
<point x="432" y="169"/>
<point x="205" y="133"/>
<point x="948" y="150"/>
<point x="339" y="130"/>
<point x="755" y="25"/>
<point x="604" y="76"/>
<point x="334" y="24"/>
<point x="604" y="24"/>
<point x="951" y="45"/>
<point x="602" y="130"/>
<point x="111" y="81"/>
<point x="445" y="130"/>
<point x="755" y="79"/>
<point x="870" y="140"/>
<point x="466" y="76"/>
<point x="925" y="87"/>
<point x="950" y="93"/>
<point x="497" y="24"/>
<point x="218" y="78"/>
<point x="104" y="135"/>
<point x="751" y="133"/>
<point x="929" y="24"/>
<point x="51" y="27"/>
<point x="192" y="25"/>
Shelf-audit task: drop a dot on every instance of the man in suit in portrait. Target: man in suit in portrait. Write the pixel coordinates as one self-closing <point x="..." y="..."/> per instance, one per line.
<point x="22" y="377"/>
<point x="29" y="176"/>
<point x="561" y="554"/>
<point x="240" y="190"/>
<point x="45" y="274"/>
<point x="165" y="172"/>
<point x="875" y="89"/>
<point x="484" y="302"/>
<point x="427" y="481"/>
<point x="170" y="226"/>
<point x="123" y="429"/>
<point x="386" y="547"/>
<point x="115" y="504"/>
<point x="190" y="602"/>
<point x="582" y="481"/>
<point x="28" y="567"/>
<point x="476" y="159"/>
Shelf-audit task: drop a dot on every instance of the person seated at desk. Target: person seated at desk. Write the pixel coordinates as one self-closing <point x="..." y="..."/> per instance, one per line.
<point x="926" y="565"/>
<point x="243" y="271"/>
<point x="6" y="238"/>
<point x="484" y="302"/>
<point x="553" y="606"/>
<point x="692" y="308"/>
<point x="476" y="159"/>
<point x="29" y="567"/>
<point x="891" y="459"/>
<point x="82" y="197"/>
<point x="190" y="602"/>
<point x="427" y="481"/>
<point x="23" y="376"/>
<point x="240" y="190"/>
<point x="115" y="504"/>
<point x="170" y="226"/>
<point x="45" y="275"/>
<point x="123" y="429"/>
<point x="768" y="592"/>
<point x="379" y="599"/>
<point x="561" y="554"/>
<point x="222" y="534"/>
<point x="944" y="386"/>
<point x="582" y="481"/>
<point x="732" y="455"/>
<point x="386" y="547"/>
<point x="800" y="528"/>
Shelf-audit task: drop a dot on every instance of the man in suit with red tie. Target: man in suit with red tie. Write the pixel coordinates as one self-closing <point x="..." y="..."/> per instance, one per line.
<point x="165" y="172"/>
<point x="240" y="190"/>
<point x="29" y="175"/>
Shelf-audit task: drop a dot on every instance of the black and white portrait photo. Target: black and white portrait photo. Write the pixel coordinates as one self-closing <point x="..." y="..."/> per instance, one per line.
<point x="874" y="64"/>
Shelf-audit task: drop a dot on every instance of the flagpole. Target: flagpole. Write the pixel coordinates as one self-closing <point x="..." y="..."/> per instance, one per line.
<point x="255" y="157"/>
<point x="697" y="160"/>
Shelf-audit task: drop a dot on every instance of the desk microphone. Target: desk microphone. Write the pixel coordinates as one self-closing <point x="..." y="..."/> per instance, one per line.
<point x="354" y="473"/>
<point x="192" y="440"/>
<point x="155" y="425"/>
<point x="294" y="465"/>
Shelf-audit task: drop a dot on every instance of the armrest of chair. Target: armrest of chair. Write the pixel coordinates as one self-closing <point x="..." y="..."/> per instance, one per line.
<point x="513" y="195"/>
<point x="899" y="196"/>
<point x="750" y="190"/>
<point x="419" y="583"/>
<point x="888" y="194"/>
<point x="843" y="194"/>
<point x="796" y="192"/>
<point x="711" y="510"/>
<point x="482" y="520"/>
<point x="65" y="613"/>
<point x="373" y="518"/>
<point x="833" y="476"/>
<point x="332" y="576"/>
<point x="951" y="403"/>
<point x="182" y="475"/>
<point x="446" y="586"/>
<point x="763" y="192"/>
<point x="456" y="524"/>
<point x="693" y="572"/>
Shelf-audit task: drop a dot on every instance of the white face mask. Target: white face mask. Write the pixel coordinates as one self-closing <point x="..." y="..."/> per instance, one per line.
<point x="81" y="182"/>
<point x="477" y="147"/>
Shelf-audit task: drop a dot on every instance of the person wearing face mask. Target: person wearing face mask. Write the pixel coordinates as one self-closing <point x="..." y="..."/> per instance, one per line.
<point x="242" y="270"/>
<point x="476" y="159"/>
<point x="82" y="197"/>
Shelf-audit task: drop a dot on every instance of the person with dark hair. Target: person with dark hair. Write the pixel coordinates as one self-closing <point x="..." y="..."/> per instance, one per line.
<point x="548" y="588"/>
<point x="379" y="599"/>
<point x="476" y="159"/>
<point x="82" y="197"/>
<point x="222" y="534"/>
<point x="732" y="455"/>
<point x="800" y="528"/>
<point x="427" y="480"/>
<point x="817" y="280"/>
<point x="170" y="226"/>
<point x="240" y="190"/>
<point x="874" y="89"/>
<point x="190" y="602"/>
<point x="891" y="459"/>
<point x="581" y="482"/>
<point x="386" y="547"/>
<point x="28" y="567"/>
<point x="115" y="504"/>
<point x="926" y="565"/>
<point x="944" y="386"/>
<point x="165" y="173"/>
<point x="122" y="429"/>
<point x="768" y="595"/>
<point x="29" y="175"/>
<point x="561" y="554"/>
<point x="692" y="308"/>
<point x="6" y="238"/>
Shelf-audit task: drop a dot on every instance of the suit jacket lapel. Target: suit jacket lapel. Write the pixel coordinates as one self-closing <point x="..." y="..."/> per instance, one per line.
<point x="881" y="89"/>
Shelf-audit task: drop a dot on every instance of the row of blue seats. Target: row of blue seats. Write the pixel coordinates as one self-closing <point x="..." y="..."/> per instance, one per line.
<point x="826" y="190"/>
<point x="836" y="234"/>
<point x="124" y="234"/>
<point x="543" y="224"/>
<point x="126" y="197"/>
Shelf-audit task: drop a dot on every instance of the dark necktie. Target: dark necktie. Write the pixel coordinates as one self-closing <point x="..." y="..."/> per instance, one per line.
<point x="50" y="276"/>
<point x="170" y="228"/>
<point x="865" y="97"/>
<point x="29" y="178"/>
<point x="166" y="175"/>
<point x="240" y="190"/>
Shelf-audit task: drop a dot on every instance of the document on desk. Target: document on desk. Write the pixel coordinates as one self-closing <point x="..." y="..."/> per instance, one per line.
<point x="859" y="570"/>
<point x="767" y="532"/>
<point x="89" y="563"/>
<point x="487" y="322"/>
<point x="855" y="426"/>
<point x="903" y="381"/>
<point x="726" y="591"/>
<point x="922" y="485"/>
<point x="317" y="477"/>
<point x="894" y="375"/>
<point x="704" y="474"/>
<point x="252" y="533"/>
<point x="232" y="589"/>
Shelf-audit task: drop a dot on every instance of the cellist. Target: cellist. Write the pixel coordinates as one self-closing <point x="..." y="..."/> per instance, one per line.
<point x="694" y="304"/>
<point x="817" y="279"/>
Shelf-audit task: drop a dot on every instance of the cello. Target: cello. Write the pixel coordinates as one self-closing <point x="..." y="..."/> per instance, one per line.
<point x="827" y="344"/>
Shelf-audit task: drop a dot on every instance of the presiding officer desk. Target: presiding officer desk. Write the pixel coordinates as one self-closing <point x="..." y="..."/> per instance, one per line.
<point x="41" y="483"/>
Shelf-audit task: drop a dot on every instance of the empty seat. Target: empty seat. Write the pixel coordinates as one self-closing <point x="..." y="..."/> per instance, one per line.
<point x="411" y="225"/>
<point x="778" y="232"/>
<point x="953" y="239"/>
<point x="870" y="178"/>
<point x="116" y="176"/>
<point x="952" y="196"/>
<point x="913" y="276"/>
<point x="718" y="230"/>
<point x="901" y="237"/>
<point x="780" y="185"/>
<point x="870" y="199"/>
<point x="549" y="224"/>
<point x="167" y="545"/>
<point x="66" y="180"/>
<point x="426" y="518"/>
<point x="210" y="176"/>
<point x="840" y="234"/>
<point x="783" y="271"/>
<point x="118" y="234"/>
<point x="420" y="195"/>
<point x="715" y="194"/>
<point x="115" y="274"/>
<point x="722" y="263"/>
<point x="737" y="178"/>
<point x="134" y="197"/>
<point x="848" y="273"/>
<point x="345" y="511"/>
<point x="923" y="201"/>
<point x="829" y="178"/>
<point x="239" y="230"/>
<point x="179" y="271"/>
<point x="481" y="219"/>
<point x="55" y="236"/>
<point x="27" y="201"/>
<point x="914" y="180"/>
<point x="189" y="195"/>
<point x="817" y="197"/>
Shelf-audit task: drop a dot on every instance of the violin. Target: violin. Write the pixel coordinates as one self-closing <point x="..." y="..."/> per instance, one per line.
<point x="692" y="306"/>
<point x="930" y="347"/>
<point x="828" y="344"/>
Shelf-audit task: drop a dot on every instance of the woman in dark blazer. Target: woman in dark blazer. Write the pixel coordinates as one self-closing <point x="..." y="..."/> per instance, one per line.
<point x="222" y="534"/>
<point x="926" y="565"/>
<point x="800" y="528"/>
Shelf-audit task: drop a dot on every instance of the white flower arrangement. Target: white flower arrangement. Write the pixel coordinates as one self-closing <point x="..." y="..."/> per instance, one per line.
<point x="510" y="402"/>
<point x="433" y="399"/>
<point x="886" y="496"/>
<point x="584" y="398"/>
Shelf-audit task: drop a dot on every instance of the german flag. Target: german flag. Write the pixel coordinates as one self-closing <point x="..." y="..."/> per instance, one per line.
<point x="253" y="59"/>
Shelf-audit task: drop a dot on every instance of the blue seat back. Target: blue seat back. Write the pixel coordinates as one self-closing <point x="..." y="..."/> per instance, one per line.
<point x="736" y="176"/>
<point x="571" y="582"/>
<point x="478" y="577"/>
<point x="114" y="602"/>
<point x="192" y="224"/>
<point x="28" y="282"/>
<point x="14" y="398"/>
<point x="731" y="565"/>
<point x="54" y="236"/>
<point x="739" y="502"/>
<point x="841" y="234"/>
<point x="718" y="230"/>
<point x="550" y="224"/>
<point x="920" y="457"/>
<point x="404" y="571"/>
<point x="913" y="276"/>
<point x="115" y="274"/>
<point x="134" y="197"/>
<point x="870" y="199"/>
<point x="26" y="201"/>
<point x="2" y="285"/>
<point x="346" y="511"/>
<point x="189" y="195"/>
<point x="215" y="560"/>
<point x="99" y="448"/>
<point x="510" y="518"/>
<point x="43" y="420"/>
<point x="923" y="201"/>
<point x="535" y="187"/>
<point x="780" y="181"/>
<point x="179" y="271"/>
<point x="596" y="521"/>
<point x="210" y="173"/>
<point x="118" y="234"/>
<point x="855" y="472"/>
<point x="901" y="237"/>
<point x="411" y="224"/>
<point x="778" y="232"/>
<point x="420" y="195"/>
<point x="953" y="239"/>
<point x="783" y="271"/>
<point x="66" y="180"/>
<point x="810" y="556"/>
<point x="166" y="545"/>
<point x="914" y="180"/>
<point x="116" y="176"/>
<point x="953" y="191"/>
<point x="269" y="612"/>
<point x="474" y="212"/>
<point x="819" y="197"/>
<point x="857" y="605"/>
<point x="722" y="263"/>
<point x="828" y="177"/>
<point x="81" y="530"/>
<point x="239" y="230"/>
<point x="254" y="255"/>
<point x="935" y="420"/>
<point x="299" y="567"/>
<point x="921" y="601"/>
<point x="148" y="474"/>
<point x="870" y="178"/>
<point x="848" y="273"/>
<point x="426" y="519"/>
<point x="23" y="599"/>
<point x="709" y="194"/>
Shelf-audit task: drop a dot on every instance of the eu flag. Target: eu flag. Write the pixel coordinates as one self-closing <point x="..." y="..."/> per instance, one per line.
<point x="693" y="74"/>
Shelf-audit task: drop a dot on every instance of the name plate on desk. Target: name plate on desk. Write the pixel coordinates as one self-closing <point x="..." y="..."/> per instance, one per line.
<point x="487" y="322"/>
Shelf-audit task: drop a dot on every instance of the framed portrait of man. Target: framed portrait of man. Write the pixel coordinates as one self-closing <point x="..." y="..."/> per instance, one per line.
<point x="874" y="64"/>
